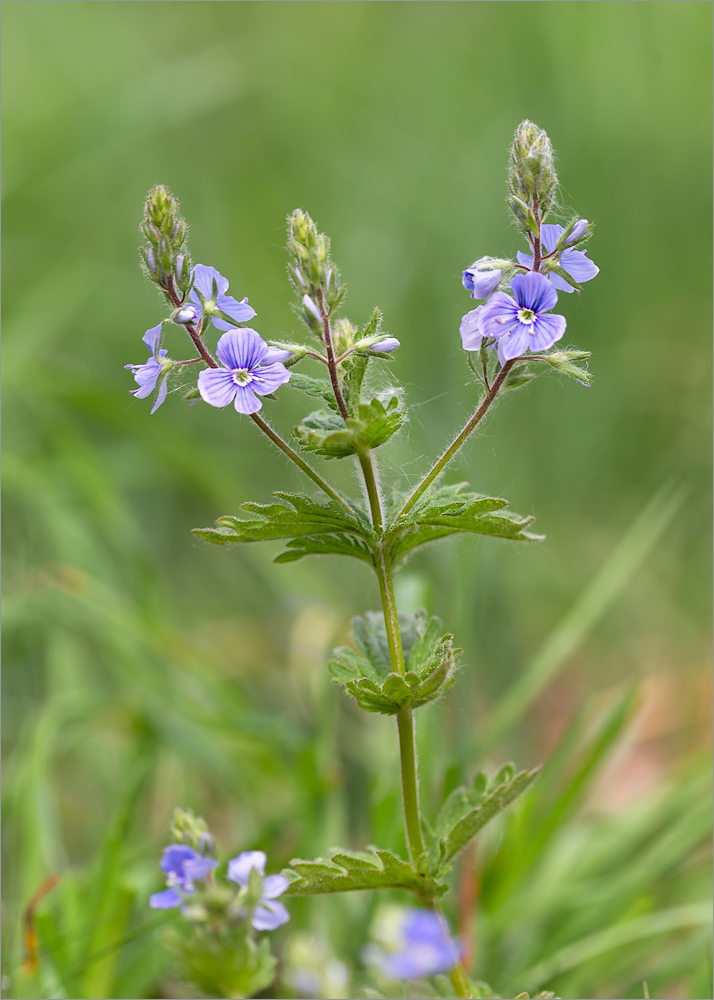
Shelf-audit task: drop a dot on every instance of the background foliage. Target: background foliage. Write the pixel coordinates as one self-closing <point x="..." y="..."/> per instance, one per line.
<point x="144" y="669"/>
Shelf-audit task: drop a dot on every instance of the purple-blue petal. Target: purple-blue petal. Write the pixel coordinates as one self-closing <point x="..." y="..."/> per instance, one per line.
<point x="274" y="886"/>
<point x="274" y="354"/>
<point x="146" y="376"/>
<point x="269" y="915"/>
<point x="515" y="342"/>
<point x="243" y="348"/>
<point x="545" y="331"/>
<point x="241" y="312"/>
<point x="526" y="259"/>
<point x="470" y="329"/>
<point x="217" y="386"/>
<point x="267" y="378"/>
<point x="203" y="278"/>
<point x="481" y="282"/>
<point x="549" y="236"/>
<point x="578" y="265"/>
<point x="246" y="400"/>
<point x="498" y="316"/>
<point x="534" y="291"/>
<point x="195" y="870"/>
<point x="160" y="395"/>
<point x="239" y="867"/>
<point x="174" y="857"/>
<point x="385" y="346"/>
<point x="152" y="337"/>
<point x="165" y="900"/>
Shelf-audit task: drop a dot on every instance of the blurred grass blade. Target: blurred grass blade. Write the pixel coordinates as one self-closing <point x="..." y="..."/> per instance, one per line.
<point x="665" y="921"/>
<point x="598" y="596"/>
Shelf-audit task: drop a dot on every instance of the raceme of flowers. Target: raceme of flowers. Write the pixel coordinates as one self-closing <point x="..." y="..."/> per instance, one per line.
<point x="184" y="868"/>
<point x="522" y="322"/>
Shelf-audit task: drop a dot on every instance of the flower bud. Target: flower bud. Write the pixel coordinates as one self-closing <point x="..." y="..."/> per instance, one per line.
<point x="185" y="315"/>
<point x="481" y="280"/>
<point x="312" y="315"/>
<point x="386" y="346"/>
<point x="532" y="180"/>
<point x="187" y="828"/>
<point x="575" y="232"/>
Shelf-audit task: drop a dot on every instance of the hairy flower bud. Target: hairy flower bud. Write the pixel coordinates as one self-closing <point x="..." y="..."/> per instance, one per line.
<point x="312" y="272"/>
<point x="165" y="232"/>
<point x="577" y="230"/>
<point x="532" y="181"/>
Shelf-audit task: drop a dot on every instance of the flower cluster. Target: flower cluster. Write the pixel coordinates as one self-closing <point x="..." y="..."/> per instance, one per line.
<point x="184" y="867"/>
<point x="415" y="943"/>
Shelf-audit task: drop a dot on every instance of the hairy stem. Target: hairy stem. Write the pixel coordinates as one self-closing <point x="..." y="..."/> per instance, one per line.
<point x="300" y="462"/>
<point x="193" y="333"/>
<point x="475" y="420"/>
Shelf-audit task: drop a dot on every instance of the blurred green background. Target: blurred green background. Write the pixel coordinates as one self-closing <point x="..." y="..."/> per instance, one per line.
<point x="144" y="670"/>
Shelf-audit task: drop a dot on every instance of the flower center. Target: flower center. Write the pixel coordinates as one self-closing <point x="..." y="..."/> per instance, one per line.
<point x="526" y="315"/>
<point x="241" y="376"/>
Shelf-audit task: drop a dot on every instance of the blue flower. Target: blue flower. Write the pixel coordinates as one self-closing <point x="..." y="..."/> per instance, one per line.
<point x="250" y="366"/>
<point x="183" y="868"/>
<point x="481" y="282"/>
<point x="519" y="324"/>
<point x="212" y="286"/>
<point x="148" y="375"/>
<point x="267" y="914"/>
<point x="421" y="946"/>
<point x="574" y="262"/>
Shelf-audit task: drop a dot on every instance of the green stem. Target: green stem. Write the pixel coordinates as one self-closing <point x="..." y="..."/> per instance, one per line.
<point x="300" y="462"/>
<point x="475" y="420"/>
<point x="459" y="979"/>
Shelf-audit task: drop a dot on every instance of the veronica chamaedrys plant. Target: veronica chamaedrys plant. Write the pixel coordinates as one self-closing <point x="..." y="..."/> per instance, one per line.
<point x="397" y="663"/>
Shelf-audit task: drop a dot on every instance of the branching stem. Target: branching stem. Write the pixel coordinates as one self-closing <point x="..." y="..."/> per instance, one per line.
<point x="463" y="434"/>
<point x="300" y="462"/>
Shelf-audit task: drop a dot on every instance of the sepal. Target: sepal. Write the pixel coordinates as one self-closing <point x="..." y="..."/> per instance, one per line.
<point x="562" y="361"/>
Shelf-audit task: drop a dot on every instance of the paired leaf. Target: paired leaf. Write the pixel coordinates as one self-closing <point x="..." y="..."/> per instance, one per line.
<point x="317" y="387"/>
<point x="468" y="809"/>
<point x="373" y="423"/>
<point x="450" y="510"/>
<point x="311" y="527"/>
<point x="367" y="675"/>
<point x="347" y="871"/>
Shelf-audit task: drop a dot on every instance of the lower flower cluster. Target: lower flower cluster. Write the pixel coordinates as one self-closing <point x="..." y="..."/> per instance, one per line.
<point x="189" y="876"/>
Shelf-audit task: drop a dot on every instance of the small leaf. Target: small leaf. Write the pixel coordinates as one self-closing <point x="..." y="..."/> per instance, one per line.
<point x="492" y="804"/>
<point x="343" y="545"/>
<point x="317" y="387"/>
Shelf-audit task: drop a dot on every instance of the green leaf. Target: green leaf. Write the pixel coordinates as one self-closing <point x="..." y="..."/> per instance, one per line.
<point x="298" y="516"/>
<point x="346" y="871"/>
<point x="317" y="387"/>
<point x="367" y="675"/>
<point x="452" y="509"/>
<point x="342" y="545"/>
<point x="508" y="789"/>
<point x="374" y="423"/>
